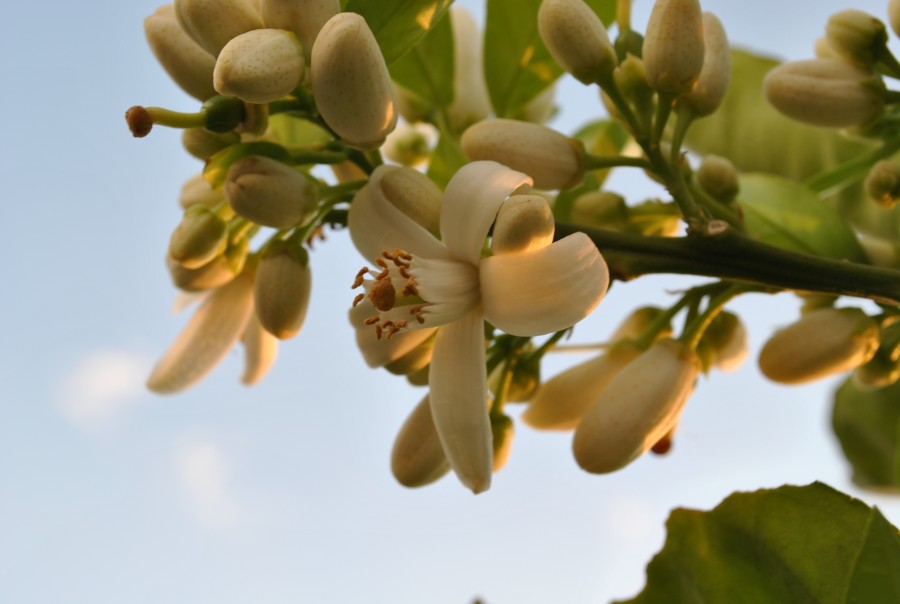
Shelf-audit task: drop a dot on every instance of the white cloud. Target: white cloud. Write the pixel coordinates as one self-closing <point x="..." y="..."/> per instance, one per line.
<point x="203" y="473"/>
<point x="102" y="386"/>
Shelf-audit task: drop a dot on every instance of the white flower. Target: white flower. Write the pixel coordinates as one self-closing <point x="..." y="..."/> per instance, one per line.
<point x="425" y="283"/>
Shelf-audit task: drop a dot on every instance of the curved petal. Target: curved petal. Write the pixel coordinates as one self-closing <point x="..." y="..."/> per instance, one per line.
<point x="208" y="337"/>
<point x="377" y="225"/>
<point x="260" y="351"/>
<point x="471" y="202"/>
<point x="545" y="290"/>
<point x="458" y="393"/>
<point x="378" y="353"/>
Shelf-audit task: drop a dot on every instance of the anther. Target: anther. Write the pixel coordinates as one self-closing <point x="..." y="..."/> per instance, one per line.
<point x="410" y="289"/>
<point x="358" y="299"/>
<point x="371" y="320"/>
<point x="359" y="278"/>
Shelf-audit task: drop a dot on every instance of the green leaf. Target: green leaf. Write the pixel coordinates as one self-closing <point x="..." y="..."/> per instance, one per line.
<point x="791" y="545"/>
<point x="786" y="214"/>
<point x="399" y="25"/>
<point x="427" y="70"/>
<point x="295" y="132"/>
<point x="603" y="137"/>
<point x="867" y="424"/>
<point x="517" y="65"/>
<point x="446" y="159"/>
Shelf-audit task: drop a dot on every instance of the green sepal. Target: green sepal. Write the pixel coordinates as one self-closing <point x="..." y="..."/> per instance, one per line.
<point x="223" y="113"/>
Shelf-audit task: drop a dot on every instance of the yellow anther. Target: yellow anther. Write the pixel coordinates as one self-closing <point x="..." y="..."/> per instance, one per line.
<point x="359" y="278"/>
<point x="358" y="299"/>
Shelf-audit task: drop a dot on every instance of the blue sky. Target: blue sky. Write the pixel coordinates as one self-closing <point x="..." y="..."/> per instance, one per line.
<point x="282" y="492"/>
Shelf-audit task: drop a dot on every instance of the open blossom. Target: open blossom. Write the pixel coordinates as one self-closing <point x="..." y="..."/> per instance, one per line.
<point x="423" y="283"/>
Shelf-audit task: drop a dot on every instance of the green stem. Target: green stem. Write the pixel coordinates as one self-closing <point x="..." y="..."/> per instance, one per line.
<point x="835" y="180"/>
<point x="608" y="85"/>
<point x="692" y="335"/>
<point x="731" y="256"/>
<point x="176" y="119"/>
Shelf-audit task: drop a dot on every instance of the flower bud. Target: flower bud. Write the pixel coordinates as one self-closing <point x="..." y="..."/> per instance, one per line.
<point x="894" y="15"/>
<point x="600" y="209"/>
<point x="260" y="351"/>
<point x="260" y="66"/>
<point x="631" y="78"/>
<point x="215" y="273"/>
<point x="303" y="17"/>
<point x="727" y="338"/>
<point x="470" y="96"/>
<point x="825" y="92"/>
<point x="822" y="50"/>
<point x="879" y="372"/>
<point x="201" y="143"/>
<point x="417" y="458"/>
<point x="283" y="284"/>
<point x="200" y="237"/>
<point x="822" y="343"/>
<point x="637" y="322"/>
<point x="212" y="23"/>
<point x="197" y="190"/>
<point x="883" y="183"/>
<point x="503" y="430"/>
<point x="673" y="46"/>
<point x="524" y="223"/>
<point x="184" y="60"/>
<point x="712" y="84"/>
<point x="553" y="160"/>
<point x="856" y="36"/>
<point x="413" y="361"/>
<point x="351" y="83"/>
<point x="575" y="36"/>
<point x="561" y="401"/>
<point x="269" y="192"/>
<point x="407" y="145"/>
<point x="412" y="193"/>
<point x="641" y="404"/>
<point x="208" y="337"/>
<point x="718" y="177"/>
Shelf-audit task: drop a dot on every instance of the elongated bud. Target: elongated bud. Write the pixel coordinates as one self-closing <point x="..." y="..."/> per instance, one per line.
<point x="215" y="273"/>
<point x="283" y="284"/>
<point x="822" y="343"/>
<point x="503" y="431"/>
<point x="712" y="84"/>
<point x="825" y="92"/>
<point x="200" y="237"/>
<point x="718" y="177"/>
<point x="856" y="36"/>
<point x="553" y="160"/>
<point x="600" y="209"/>
<point x="351" y="83"/>
<point x="631" y="78"/>
<point x="673" y="46"/>
<point x="634" y="325"/>
<point x="561" y="401"/>
<point x="303" y="17"/>
<point x="189" y="65"/>
<point x="524" y="223"/>
<point x="641" y="404"/>
<point x="212" y="23"/>
<point x="208" y="337"/>
<point x="260" y="351"/>
<point x="575" y="36"/>
<point x="197" y="191"/>
<point x="412" y="193"/>
<point x="417" y="458"/>
<point x="201" y="143"/>
<point x="893" y="10"/>
<point x="727" y="338"/>
<point x="470" y="96"/>
<point x="260" y="66"/>
<point x="269" y="192"/>
<point x="883" y="183"/>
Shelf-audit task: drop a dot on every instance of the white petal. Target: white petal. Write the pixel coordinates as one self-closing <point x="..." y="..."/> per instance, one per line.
<point x="377" y="225"/>
<point x="209" y="335"/>
<point x="542" y="291"/>
<point x="458" y="392"/>
<point x="260" y="351"/>
<point x="378" y="353"/>
<point x="471" y="202"/>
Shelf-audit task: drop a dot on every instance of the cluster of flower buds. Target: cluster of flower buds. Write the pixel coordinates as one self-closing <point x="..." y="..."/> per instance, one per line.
<point x="843" y="86"/>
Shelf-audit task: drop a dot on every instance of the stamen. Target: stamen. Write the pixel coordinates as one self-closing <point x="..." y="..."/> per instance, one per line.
<point x="358" y="299"/>
<point x="359" y="277"/>
<point x="410" y="289"/>
<point x="371" y="320"/>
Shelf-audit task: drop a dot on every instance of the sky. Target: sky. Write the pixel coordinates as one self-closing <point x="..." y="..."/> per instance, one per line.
<point x="282" y="492"/>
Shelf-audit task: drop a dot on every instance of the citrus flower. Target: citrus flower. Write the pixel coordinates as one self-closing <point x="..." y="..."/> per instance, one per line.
<point x="455" y="285"/>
